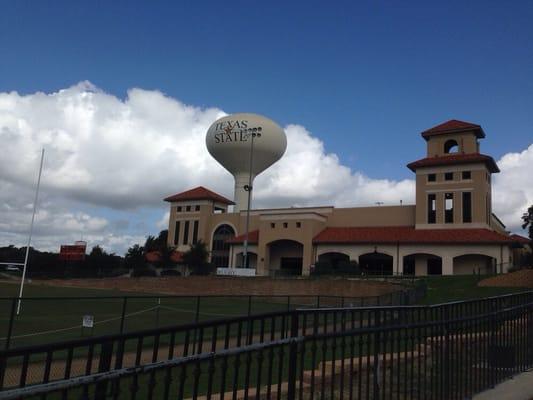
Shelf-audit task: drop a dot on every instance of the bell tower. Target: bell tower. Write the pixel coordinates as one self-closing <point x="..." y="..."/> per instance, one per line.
<point x="453" y="181"/>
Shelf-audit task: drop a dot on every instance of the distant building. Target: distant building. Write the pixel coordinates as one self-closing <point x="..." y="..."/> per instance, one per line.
<point x="73" y="252"/>
<point x="450" y="230"/>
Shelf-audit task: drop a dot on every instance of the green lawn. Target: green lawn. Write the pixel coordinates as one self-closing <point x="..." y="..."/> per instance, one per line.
<point x="49" y="320"/>
<point x="442" y="289"/>
<point x="46" y="320"/>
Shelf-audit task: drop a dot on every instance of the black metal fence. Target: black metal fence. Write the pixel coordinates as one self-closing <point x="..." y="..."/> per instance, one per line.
<point x="449" y="351"/>
<point x="52" y="319"/>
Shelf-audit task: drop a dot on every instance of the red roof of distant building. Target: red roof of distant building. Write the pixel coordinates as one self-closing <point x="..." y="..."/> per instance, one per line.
<point x="451" y="159"/>
<point x="453" y="126"/>
<point x="253" y="237"/>
<point x="155" y="256"/>
<point x="199" y="193"/>
<point x="520" y="239"/>
<point x="408" y="234"/>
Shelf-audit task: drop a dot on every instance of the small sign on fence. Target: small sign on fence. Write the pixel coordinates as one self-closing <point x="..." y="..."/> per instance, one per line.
<point x="87" y="321"/>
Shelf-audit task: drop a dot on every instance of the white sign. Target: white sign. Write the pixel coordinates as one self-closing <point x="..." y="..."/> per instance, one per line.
<point x="236" y="271"/>
<point x="87" y="321"/>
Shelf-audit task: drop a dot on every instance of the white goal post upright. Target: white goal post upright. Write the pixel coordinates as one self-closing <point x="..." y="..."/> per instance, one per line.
<point x="30" y="235"/>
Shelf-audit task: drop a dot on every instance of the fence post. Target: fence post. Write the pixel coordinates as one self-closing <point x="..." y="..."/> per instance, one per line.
<point x="446" y="352"/>
<point x="197" y="318"/>
<point x="104" y="365"/>
<point x="293" y="358"/>
<point x="377" y="323"/>
<point x="11" y="321"/>
<point x="317" y="301"/>
<point x="123" y="317"/>
<point x="249" y="305"/>
<point x="288" y="303"/>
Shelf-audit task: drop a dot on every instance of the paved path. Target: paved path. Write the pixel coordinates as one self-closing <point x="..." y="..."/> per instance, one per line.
<point x="518" y="388"/>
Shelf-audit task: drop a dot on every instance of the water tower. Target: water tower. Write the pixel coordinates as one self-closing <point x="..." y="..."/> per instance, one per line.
<point x="245" y="144"/>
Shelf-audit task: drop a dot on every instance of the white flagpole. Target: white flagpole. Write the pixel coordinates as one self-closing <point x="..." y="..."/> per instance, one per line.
<point x="31" y="232"/>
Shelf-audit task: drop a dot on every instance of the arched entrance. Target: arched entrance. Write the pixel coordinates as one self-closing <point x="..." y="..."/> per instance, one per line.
<point x="422" y="264"/>
<point x="220" y="248"/>
<point x="468" y="264"/>
<point x="285" y="257"/>
<point x="376" y="264"/>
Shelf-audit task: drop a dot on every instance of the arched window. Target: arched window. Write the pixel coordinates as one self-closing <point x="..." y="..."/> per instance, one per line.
<point x="220" y="250"/>
<point x="451" y="146"/>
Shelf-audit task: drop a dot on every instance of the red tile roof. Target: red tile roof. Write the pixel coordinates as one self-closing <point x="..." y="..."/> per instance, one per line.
<point x="155" y="256"/>
<point x="408" y="234"/>
<point x="520" y="239"/>
<point x="453" y="126"/>
<point x="453" y="159"/>
<point x="199" y="193"/>
<point x="253" y="237"/>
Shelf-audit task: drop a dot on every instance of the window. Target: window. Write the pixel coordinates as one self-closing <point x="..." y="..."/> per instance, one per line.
<point x="448" y="176"/>
<point x="196" y="208"/>
<point x="432" y="177"/>
<point x="178" y="209"/>
<point x="432" y="208"/>
<point x="451" y="146"/>
<point x="467" y="207"/>
<point x="177" y="233"/>
<point x="272" y="224"/>
<point x="298" y="224"/>
<point x="195" y="232"/>
<point x="467" y="175"/>
<point x="285" y="225"/>
<point x="186" y="232"/>
<point x="448" y="208"/>
<point x="188" y="208"/>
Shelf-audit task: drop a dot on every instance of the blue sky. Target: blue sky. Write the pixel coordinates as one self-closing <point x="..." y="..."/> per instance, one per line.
<point x="364" y="77"/>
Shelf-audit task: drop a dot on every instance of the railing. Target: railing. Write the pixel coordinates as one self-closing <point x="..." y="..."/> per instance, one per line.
<point x="52" y="319"/>
<point x="446" y="358"/>
<point x="20" y="367"/>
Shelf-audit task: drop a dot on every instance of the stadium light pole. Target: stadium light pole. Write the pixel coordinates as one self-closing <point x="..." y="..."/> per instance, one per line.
<point x="255" y="132"/>
<point x="30" y="235"/>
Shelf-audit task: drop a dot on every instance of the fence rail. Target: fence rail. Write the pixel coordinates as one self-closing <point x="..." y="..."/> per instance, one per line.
<point x="448" y="351"/>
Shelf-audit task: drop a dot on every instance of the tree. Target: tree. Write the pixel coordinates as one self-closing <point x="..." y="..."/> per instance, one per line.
<point x="528" y="221"/>
<point x="134" y="258"/>
<point x="196" y="259"/>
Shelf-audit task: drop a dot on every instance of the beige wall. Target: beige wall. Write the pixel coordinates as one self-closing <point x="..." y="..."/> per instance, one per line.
<point x="467" y="142"/>
<point x="478" y="185"/>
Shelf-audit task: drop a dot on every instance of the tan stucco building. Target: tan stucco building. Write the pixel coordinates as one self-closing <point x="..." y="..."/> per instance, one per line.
<point x="450" y="230"/>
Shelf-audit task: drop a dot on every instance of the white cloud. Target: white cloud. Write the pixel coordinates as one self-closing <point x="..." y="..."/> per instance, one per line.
<point x="513" y="187"/>
<point x="108" y="156"/>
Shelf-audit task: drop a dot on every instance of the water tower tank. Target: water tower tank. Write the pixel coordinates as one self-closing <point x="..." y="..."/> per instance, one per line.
<point x="237" y="139"/>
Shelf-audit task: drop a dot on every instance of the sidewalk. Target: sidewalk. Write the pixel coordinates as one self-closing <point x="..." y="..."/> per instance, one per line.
<point x="518" y="388"/>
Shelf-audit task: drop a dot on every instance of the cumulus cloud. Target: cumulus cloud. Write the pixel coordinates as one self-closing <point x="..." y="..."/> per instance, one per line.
<point x="513" y="187"/>
<point x="110" y="161"/>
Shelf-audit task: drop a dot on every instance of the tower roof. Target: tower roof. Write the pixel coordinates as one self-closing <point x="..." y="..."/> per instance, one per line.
<point x="454" y="159"/>
<point x="199" y="193"/>
<point x="453" y="126"/>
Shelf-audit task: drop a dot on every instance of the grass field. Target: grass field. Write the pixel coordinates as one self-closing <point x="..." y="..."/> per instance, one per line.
<point x="442" y="289"/>
<point x="48" y="320"/>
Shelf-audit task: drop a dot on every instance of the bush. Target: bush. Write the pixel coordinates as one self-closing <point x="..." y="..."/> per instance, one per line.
<point x="203" y="270"/>
<point x="138" y="272"/>
<point x="170" y="272"/>
<point x="342" y="268"/>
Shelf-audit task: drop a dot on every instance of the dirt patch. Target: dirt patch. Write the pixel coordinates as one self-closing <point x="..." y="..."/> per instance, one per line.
<point x="522" y="278"/>
<point x="235" y="286"/>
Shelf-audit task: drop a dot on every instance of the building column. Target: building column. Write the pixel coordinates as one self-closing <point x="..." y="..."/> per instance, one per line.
<point x="447" y="265"/>
<point x="307" y="260"/>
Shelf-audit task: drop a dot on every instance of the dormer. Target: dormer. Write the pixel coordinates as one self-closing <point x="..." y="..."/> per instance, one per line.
<point x="453" y="137"/>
